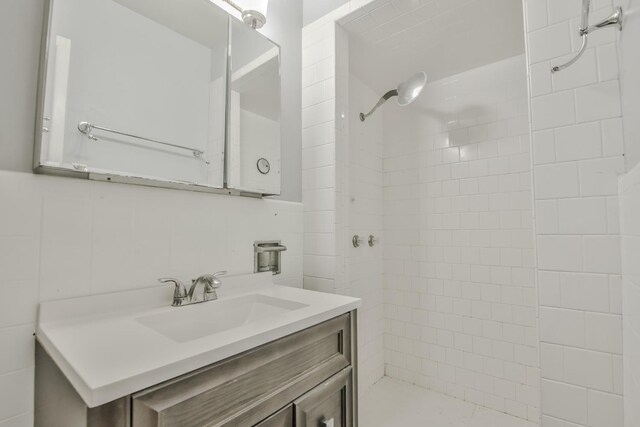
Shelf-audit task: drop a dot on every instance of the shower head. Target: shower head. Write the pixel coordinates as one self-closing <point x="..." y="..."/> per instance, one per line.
<point x="407" y="92"/>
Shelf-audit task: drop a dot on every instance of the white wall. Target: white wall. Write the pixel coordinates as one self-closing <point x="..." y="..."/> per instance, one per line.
<point x="630" y="231"/>
<point x="460" y="298"/>
<point x="62" y="238"/>
<point x="577" y="151"/>
<point x="20" y="36"/>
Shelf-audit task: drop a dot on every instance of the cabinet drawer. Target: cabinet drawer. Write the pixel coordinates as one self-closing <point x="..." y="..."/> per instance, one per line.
<point x="328" y="405"/>
<point x="245" y="389"/>
<point x="283" y="418"/>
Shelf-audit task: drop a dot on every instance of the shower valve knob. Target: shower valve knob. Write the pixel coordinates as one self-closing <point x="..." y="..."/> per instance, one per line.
<point x="373" y="240"/>
<point x="357" y="241"/>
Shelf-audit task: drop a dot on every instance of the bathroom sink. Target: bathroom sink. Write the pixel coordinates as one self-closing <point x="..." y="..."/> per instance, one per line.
<point x="188" y="323"/>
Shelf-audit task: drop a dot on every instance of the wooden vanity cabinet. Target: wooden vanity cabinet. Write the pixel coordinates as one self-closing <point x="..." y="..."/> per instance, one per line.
<point x="304" y="379"/>
<point x="329" y="404"/>
<point x="282" y="418"/>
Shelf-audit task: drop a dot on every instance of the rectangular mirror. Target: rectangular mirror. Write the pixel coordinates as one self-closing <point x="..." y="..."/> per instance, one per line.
<point x="135" y="90"/>
<point x="253" y="139"/>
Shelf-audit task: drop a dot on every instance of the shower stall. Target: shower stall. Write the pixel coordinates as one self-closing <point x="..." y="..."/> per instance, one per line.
<point x="430" y="208"/>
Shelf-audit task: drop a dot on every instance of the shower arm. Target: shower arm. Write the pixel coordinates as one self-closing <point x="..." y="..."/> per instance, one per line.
<point x="585" y="29"/>
<point x="584" y="34"/>
<point x="381" y="101"/>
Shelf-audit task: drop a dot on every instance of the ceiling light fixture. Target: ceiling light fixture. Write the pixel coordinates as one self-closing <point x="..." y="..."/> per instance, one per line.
<point x="255" y="15"/>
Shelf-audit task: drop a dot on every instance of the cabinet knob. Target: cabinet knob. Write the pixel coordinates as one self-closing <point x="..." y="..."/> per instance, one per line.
<point x="327" y="422"/>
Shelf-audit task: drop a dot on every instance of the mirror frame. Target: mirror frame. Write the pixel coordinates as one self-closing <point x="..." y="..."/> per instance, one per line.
<point x="39" y="168"/>
<point x="227" y="136"/>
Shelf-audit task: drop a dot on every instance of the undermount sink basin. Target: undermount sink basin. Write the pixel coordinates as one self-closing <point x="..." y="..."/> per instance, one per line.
<point x="199" y="320"/>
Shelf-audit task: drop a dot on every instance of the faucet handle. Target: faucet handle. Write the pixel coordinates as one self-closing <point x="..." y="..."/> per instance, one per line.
<point x="211" y="283"/>
<point x="215" y="282"/>
<point x="180" y="292"/>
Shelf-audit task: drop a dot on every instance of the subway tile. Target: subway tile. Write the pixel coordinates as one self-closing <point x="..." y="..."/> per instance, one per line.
<point x="604" y="332"/>
<point x="605" y="409"/>
<point x="544" y="147"/>
<point x="19" y="257"/>
<point x="549" y="42"/>
<point x="536" y="12"/>
<point x="560" y="253"/>
<point x="585" y="291"/>
<point x="599" y="177"/>
<point x="549" y="289"/>
<point x="63" y="251"/>
<point x="547" y="217"/>
<point x="22" y="420"/>
<point x="16" y="393"/>
<point x="550" y="111"/>
<point x="602" y="254"/>
<point x="607" y="62"/>
<point x="540" y="78"/>
<point x="588" y="368"/>
<point x="559" y="180"/>
<point x="20" y="214"/>
<point x="612" y="137"/>
<point x="564" y="401"/>
<point x="598" y="101"/>
<point x="582" y="216"/>
<point x="19" y="345"/>
<point x="564" y="10"/>
<point x="18" y="301"/>
<point x="582" y="73"/>
<point x="561" y="326"/>
<point x="552" y="361"/>
<point x="578" y="142"/>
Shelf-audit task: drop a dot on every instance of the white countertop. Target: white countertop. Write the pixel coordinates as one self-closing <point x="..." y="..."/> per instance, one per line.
<point x="107" y="353"/>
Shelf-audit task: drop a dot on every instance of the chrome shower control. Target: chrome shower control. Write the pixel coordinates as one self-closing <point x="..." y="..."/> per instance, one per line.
<point x="373" y="240"/>
<point x="357" y="241"/>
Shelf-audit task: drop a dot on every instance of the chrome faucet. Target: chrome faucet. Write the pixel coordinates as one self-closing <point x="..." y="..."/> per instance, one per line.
<point x="208" y="282"/>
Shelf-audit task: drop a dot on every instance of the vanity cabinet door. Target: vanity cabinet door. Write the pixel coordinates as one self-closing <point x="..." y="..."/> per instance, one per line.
<point x="328" y="405"/>
<point x="282" y="418"/>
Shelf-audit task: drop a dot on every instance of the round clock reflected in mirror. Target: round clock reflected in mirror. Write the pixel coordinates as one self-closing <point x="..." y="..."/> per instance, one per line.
<point x="263" y="166"/>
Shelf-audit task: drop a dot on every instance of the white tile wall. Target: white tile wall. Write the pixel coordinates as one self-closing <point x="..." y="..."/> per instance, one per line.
<point x="342" y="192"/>
<point x="629" y="67"/>
<point x="364" y="204"/>
<point x="318" y="155"/>
<point x="62" y="238"/>
<point x="580" y="105"/>
<point x="577" y="150"/>
<point x="630" y="214"/>
<point x="460" y="301"/>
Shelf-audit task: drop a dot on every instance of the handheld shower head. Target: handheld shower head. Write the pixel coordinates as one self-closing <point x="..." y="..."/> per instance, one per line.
<point x="407" y="92"/>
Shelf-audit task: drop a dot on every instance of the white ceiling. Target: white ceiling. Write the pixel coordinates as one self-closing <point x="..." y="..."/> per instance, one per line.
<point x="392" y="39"/>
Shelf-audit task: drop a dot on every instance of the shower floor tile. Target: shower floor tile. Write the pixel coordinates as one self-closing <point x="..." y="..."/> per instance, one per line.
<point x="393" y="403"/>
